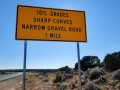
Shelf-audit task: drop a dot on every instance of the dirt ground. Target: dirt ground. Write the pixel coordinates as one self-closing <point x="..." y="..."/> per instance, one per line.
<point x="35" y="81"/>
<point x="46" y="81"/>
<point x="11" y="84"/>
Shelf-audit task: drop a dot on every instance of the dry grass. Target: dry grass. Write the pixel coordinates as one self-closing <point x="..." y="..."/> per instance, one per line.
<point x="45" y="81"/>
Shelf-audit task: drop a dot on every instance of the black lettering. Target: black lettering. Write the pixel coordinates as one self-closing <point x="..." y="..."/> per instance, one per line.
<point x="39" y="12"/>
<point x="51" y="13"/>
<point x="55" y="35"/>
<point x="61" y="21"/>
<point x="75" y="29"/>
<point x="39" y="27"/>
<point x="66" y="22"/>
<point x="42" y="19"/>
<point x="59" y="14"/>
<point x="70" y="22"/>
<point x="23" y="26"/>
<point x="59" y="35"/>
<point x="45" y="20"/>
<point x="52" y="27"/>
<point x="49" y="20"/>
<point x="56" y="28"/>
<point x="27" y="26"/>
<point x="59" y="28"/>
<point x="54" y="20"/>
<point x="66" y="14"/>
<point x="64" y="29"/>
<point x="80" y="30"/>
<point x="35" y="27"/>
<point x="48" y="28"/>
<point x="70" y="29"/>
<point x="38" y="19"/>
<point x="43" y="27"/>
<point x="51" y="35"/>
<point x="31" y="26"/>
<point x="34" y="19"/>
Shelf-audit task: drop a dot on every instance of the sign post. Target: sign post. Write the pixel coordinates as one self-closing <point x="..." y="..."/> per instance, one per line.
<point x="24" y="64"/>
<point x="49" y="24"/>
<point x="79" y="66"/>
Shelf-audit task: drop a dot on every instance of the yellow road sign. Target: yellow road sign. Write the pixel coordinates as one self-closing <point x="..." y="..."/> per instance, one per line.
<point x="48" y="24"/>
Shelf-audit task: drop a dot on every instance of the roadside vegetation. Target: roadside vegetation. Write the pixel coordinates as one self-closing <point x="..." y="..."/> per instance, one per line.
<point x="95" y="75"/>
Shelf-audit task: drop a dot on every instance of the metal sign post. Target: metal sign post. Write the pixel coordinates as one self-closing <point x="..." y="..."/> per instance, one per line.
<point x="79" y="68"/>
<point x="24" y="64"/>
<point x="42" y="22"/>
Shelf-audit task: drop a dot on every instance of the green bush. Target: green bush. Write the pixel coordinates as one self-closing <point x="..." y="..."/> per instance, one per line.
<point x="63" y="87"/>
<point x="65" y="69"/>
<point x="94" y="73"/>
<point x="58" y="85"/>
<point x="83" y="80"/>
<point x="112" y="61"/>
<point x="88" y="62"/>
<point x="113" y="83"/>
<point x="58" y="78"/>
<point x="67" y="76"/>
<point x="102" y="64"/>
<point x="72" y="86"/>
<point x="91" y="86"/>
<point x="102" y="80"/>
<point x="116" y="75"/>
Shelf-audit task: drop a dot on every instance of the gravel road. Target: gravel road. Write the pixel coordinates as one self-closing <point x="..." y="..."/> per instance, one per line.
<point x="9" y="76"/>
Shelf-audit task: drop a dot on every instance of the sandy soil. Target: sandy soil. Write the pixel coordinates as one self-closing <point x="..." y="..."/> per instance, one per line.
<point x="11" y="83"/>
<point x="44" y="81"/>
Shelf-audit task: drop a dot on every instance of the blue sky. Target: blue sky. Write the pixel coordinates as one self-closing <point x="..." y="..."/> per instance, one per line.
<point x="103" y="31"/>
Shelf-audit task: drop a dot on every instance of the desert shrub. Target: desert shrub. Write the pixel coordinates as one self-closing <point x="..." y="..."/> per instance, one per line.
<point x="3" y="72"/>
<point x="83" y="80"/>
<point x="102" y="64"/>
<point x="112" y="61"/>
<point x="65" y="69"/>
<point x="72" y="86"/>
<point x="45" y="80"/>
<point x="116" y="74"/>
<point x="94" y="73"/>
<point x="91" y="86"/>
<point x="76" y="81"/>
<point x="113" y="83"/>
<point x="37" y="75"/>
<point x="118" y="86"/>
<point x="63" y="87"/>
<point x="88" y="62"/>
<point x="58" y="85"/>
<point x="67" y="76"/>
<point x="101" y="80"/>
<point x="58" y="78"/>
<point x="28" y="76"/>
